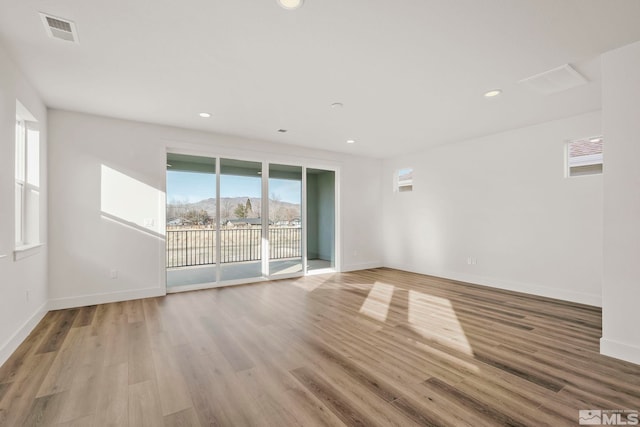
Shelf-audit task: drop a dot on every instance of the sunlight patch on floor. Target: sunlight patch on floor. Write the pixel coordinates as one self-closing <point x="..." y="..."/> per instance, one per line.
<point x="377" y="303"/>
<point x="434" y="318"/>
<point x="307" y="284"/>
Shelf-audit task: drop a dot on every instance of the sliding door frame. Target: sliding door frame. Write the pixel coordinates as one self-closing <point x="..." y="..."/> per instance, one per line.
<point x="305" y="164"/>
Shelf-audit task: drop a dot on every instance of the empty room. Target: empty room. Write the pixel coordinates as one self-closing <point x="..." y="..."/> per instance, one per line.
<point x="319" y="213"/>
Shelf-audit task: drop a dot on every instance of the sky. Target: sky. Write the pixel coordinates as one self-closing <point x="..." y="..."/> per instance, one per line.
<point x="193" y="187"/>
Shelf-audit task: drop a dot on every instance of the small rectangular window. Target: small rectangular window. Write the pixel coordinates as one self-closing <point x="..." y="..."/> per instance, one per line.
<point x="403" y="180"/>
<point x="584" y="156"/>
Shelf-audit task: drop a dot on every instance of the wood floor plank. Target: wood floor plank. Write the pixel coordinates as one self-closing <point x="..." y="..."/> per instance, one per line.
<point x="59" y="331"/>
<point x="184" y="418"/>
<point x="45" y="410"/>
<point x="140" y="361"/>
<point x="29" y="346"/>
<point x="372" y="347"/>
<point x="112" y="402"/>
<point x="85" y="316"/>
<point x="332" y="398"/>
<point x="15" y="404"/>
<point x="144" y="405"/>
<point x="172" y="388"/>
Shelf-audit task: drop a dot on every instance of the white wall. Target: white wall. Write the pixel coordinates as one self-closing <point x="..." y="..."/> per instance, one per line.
<point x="621" y="124"/>
<point x="503" y="200"/>
<point x="18" y="315"/>
<point x="93" y="231"/>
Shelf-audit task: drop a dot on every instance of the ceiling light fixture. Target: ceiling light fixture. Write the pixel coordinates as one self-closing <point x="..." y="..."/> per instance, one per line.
<point x="351" y="141"/>
<point x="492" y="93"/>
<point x="290" y="4"/>
<point x="282" y="130"/>
<point x="337" y="105"/>
<point x="205" y="115"/>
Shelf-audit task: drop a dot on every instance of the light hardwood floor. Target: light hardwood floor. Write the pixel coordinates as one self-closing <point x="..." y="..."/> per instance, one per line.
<point x="369" y="348"/>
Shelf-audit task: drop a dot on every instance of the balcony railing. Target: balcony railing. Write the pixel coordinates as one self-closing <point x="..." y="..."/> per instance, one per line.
<point x="192" y="247"/>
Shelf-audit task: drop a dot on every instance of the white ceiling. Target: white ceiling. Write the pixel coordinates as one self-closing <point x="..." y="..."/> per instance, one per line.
<point x="410" y="73"/>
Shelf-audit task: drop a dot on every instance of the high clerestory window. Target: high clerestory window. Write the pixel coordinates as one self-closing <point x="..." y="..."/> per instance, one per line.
<point x="584" y="156"/>
<point x="403" y="180"/>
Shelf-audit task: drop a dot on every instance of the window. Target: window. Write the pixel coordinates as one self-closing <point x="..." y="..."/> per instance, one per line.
<point x="403" y="180"/>
<point x="27" y="182"/>
<point x="584" y="156"/>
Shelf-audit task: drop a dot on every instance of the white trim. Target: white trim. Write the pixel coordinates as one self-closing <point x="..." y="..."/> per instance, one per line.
<point x="362" y="266"/>
<point x="622" y="351"/>
<point x="214" y="285"/>
<point x="12" y="344"/>
<point x="327" y="270"/>
<point x="507" y="285"/>
<point x="104" y="298"/>
<point x="26" y="251"/>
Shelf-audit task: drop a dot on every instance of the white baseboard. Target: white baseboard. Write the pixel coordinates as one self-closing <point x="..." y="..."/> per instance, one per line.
<point x="93" y="299"/>
<point x="619" y="350"/>
<point x="22" y="333"/>
<point x="543" y="291"/>
<point x="361" y="266"/>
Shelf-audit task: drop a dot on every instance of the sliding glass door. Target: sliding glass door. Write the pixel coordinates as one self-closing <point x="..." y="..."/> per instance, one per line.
<point x="285" y="220"/>
<point x="235" y="221"/>
<point x="241" y="220"/>
<point x="191" y="237"/>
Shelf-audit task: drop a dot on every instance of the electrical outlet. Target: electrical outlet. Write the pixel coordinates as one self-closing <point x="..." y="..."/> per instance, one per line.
<point x="113" y="274"/>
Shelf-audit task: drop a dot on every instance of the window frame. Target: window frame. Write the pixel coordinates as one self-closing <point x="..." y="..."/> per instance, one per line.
<point x="592" y="164"/>
<point x="27" y="209"/>
<point x="403" y="186"/>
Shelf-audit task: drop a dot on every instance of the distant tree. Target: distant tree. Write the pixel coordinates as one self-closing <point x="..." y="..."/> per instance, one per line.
<point x="247" y="208"/>
<point x="292" y="213"/>
<point x="240" y="211"/>
<point x="257" y="209"/>
<point x="197" y="217"/>
<point x="274" y="204"/>
<point x="225" y="209"/>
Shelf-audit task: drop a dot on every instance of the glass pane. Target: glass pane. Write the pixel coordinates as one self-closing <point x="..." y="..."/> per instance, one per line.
<point x="320" y="219"/>
<point x="32" y="226"/>
<point x="285" y="219"/>
<point x="20" y="151"/>
<point x="33" y="157"/>
<point x="191" y="220"/>
<point x="18" y="214"/>
<point x="240" y="211"/>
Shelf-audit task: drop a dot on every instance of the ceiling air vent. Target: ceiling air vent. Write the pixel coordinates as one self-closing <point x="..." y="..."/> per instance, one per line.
<point x="59" y="28"/>
<point x="556" y="80"/>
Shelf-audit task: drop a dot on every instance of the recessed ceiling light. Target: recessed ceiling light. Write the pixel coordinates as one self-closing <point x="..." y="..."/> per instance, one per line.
<point x="492" y="93"/>
<point x="205" y="115"/>
<point x="351" y="141"/>
<point x="290" y="4"/>
<point x="337" y="105"/>
<point x="282" y="130"/>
